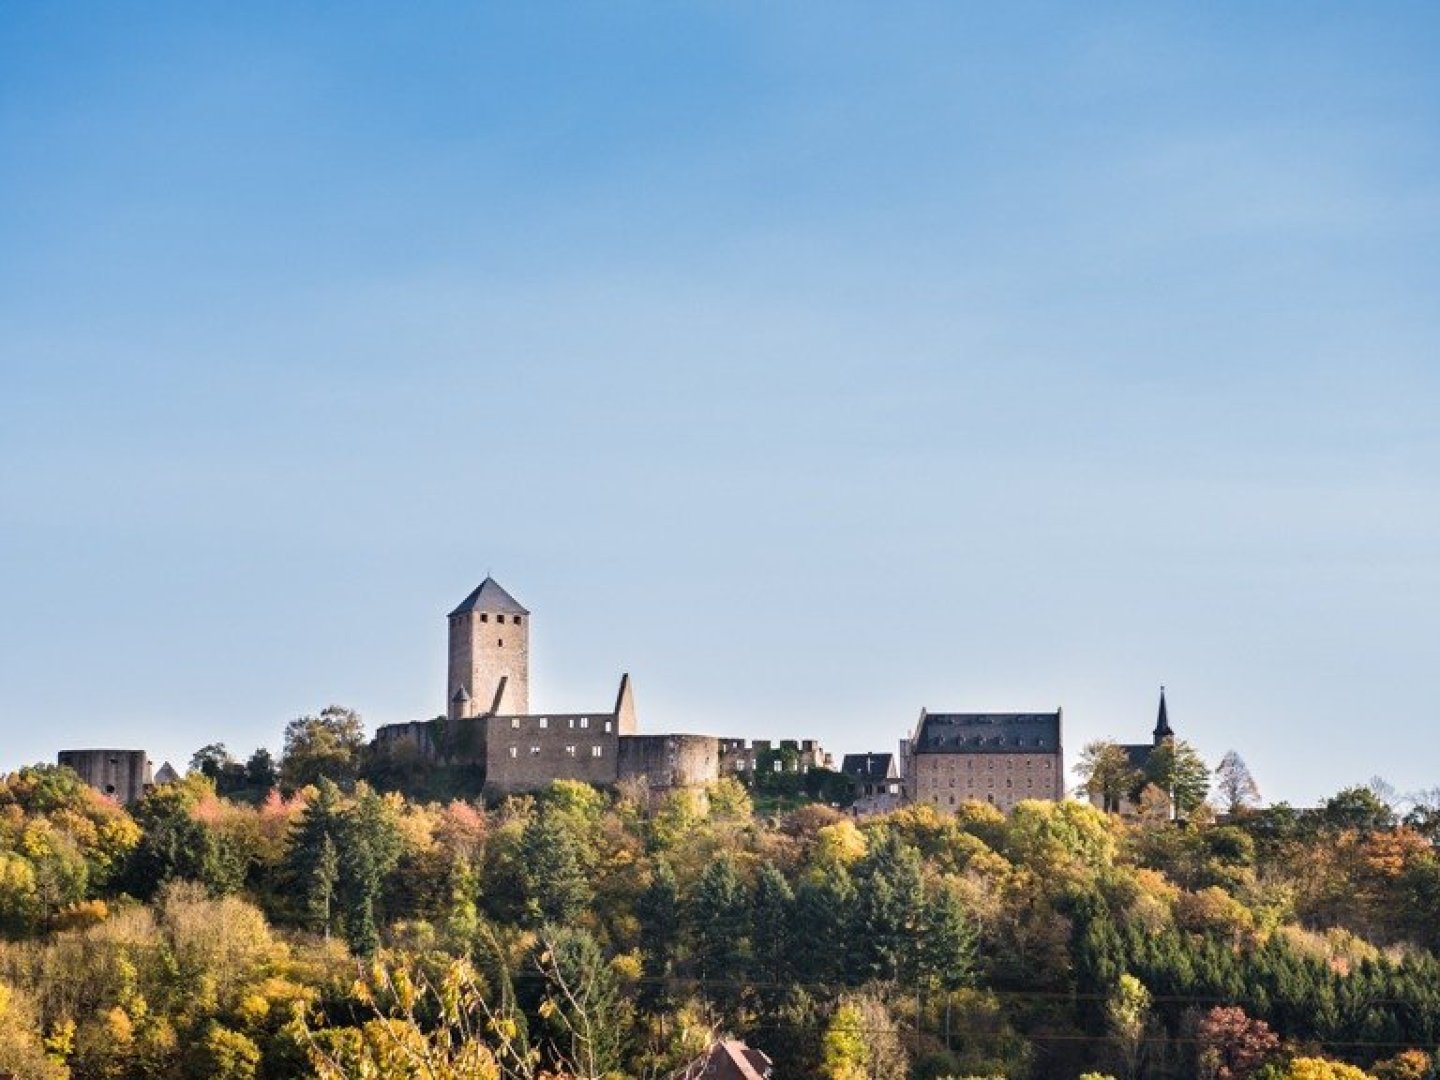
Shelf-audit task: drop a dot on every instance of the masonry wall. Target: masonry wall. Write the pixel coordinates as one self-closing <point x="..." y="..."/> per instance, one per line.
<point x="665" y="761"/>
<point x="524" y="753"/>
<point x="124" y="775"/>
<point x="947" y="780"/>
<point x="486" y="646"/>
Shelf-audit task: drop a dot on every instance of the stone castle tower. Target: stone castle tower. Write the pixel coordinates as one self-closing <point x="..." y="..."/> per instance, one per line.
<point x="489" y="655"/>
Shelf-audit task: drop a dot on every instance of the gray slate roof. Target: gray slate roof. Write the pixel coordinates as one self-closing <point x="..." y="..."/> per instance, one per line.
<point x="870" y="766"/>
<point x="490" y="597"/>
<point x="989" y="733"/>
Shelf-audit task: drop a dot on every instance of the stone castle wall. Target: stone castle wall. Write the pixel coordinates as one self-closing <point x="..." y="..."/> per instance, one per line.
<point x="667" y="761"/>
<point x="524" y="753"/>
<point x="124" y="775"/>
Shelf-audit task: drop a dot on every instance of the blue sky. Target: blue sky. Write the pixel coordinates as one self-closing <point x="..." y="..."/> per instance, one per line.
<point x="814" y="363"/>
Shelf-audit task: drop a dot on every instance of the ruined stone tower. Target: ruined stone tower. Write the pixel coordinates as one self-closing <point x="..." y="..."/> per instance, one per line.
<point x="489" y="655"/>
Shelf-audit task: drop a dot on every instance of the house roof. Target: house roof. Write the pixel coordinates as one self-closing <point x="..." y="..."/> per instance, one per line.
<point x="870" y="766"/>
<point x="489" y="596"/>
<point x="988" y="733"/>
<point x="731" y="1059"/>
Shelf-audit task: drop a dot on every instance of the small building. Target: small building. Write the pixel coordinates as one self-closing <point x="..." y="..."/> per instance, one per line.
<point x="123" y="775"/>
<point x="872" y="774"/>
<point x="731" y="1059"/>
<point x="1137" y="756"/>
<point x="995" y="758"/>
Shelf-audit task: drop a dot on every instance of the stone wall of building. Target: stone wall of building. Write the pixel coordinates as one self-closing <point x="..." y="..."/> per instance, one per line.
<point x="524" y="753"/>
<point x="947" y="780"/>
<point x="666" y="761"/>
<point x="486" y="647"/>
<point x="124" y="775"/>
<point x="739" y="756"/>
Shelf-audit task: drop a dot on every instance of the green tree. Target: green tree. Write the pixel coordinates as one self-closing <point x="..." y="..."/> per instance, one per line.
<point x="889" y="909"/>
<point x="328" y="746"/>
<point x="1106" y="774"/>
<point x="771" y="919"/>
<point x="556" y="887"/>
<point x="1177" y="770"/>
<point x="720" y="925"/>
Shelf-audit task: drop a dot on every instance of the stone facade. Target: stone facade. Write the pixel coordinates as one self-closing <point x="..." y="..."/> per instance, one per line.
<point x="124" y="775"/>
<point x="995" y="758"/>
<point x="669" y="761"/>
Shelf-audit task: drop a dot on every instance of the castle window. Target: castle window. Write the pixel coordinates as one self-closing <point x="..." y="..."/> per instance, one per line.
<point x="499" y="643"/>
<point x="779" y="765"/>
<point x="515" y="723"/>
<point x="596" y="751"/>
<point x="514" y="751"/>
<point x="534" y="751"/>
<point x="607" y="727"/>
<point x="544" y="722"/>
<point x="515" y="619"/>
<point x="499" y="618"/>
<point x="584" y="721"/>
<point x="570" y="750"/>
<point x="484" y="617"/>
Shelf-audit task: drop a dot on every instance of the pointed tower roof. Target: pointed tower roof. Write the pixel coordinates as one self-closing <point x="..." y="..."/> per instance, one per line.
<point x="490" y="597"/>
<point x="1163" y="730"/>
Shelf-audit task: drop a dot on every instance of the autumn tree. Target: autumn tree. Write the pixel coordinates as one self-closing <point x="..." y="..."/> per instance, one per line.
<point x="1232" y="1046"/>
<point x="1236" y="787"/>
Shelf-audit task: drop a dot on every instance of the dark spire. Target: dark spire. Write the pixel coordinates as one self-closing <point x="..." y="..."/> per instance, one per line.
<point x="1163" y="730"/>
<point x="490" y="597"/>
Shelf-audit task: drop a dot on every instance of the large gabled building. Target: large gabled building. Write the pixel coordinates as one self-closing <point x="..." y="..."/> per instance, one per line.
<point x="995" y="758"/>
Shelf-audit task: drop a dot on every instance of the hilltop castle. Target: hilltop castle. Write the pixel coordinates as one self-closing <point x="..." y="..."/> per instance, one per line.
<point x="488" y="722"/>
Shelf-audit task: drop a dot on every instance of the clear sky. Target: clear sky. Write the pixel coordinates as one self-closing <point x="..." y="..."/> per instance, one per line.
<point x="812" y="362"/>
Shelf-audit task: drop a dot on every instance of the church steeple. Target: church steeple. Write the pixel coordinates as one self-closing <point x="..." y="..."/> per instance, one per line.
<point x="1163" y="730"/>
